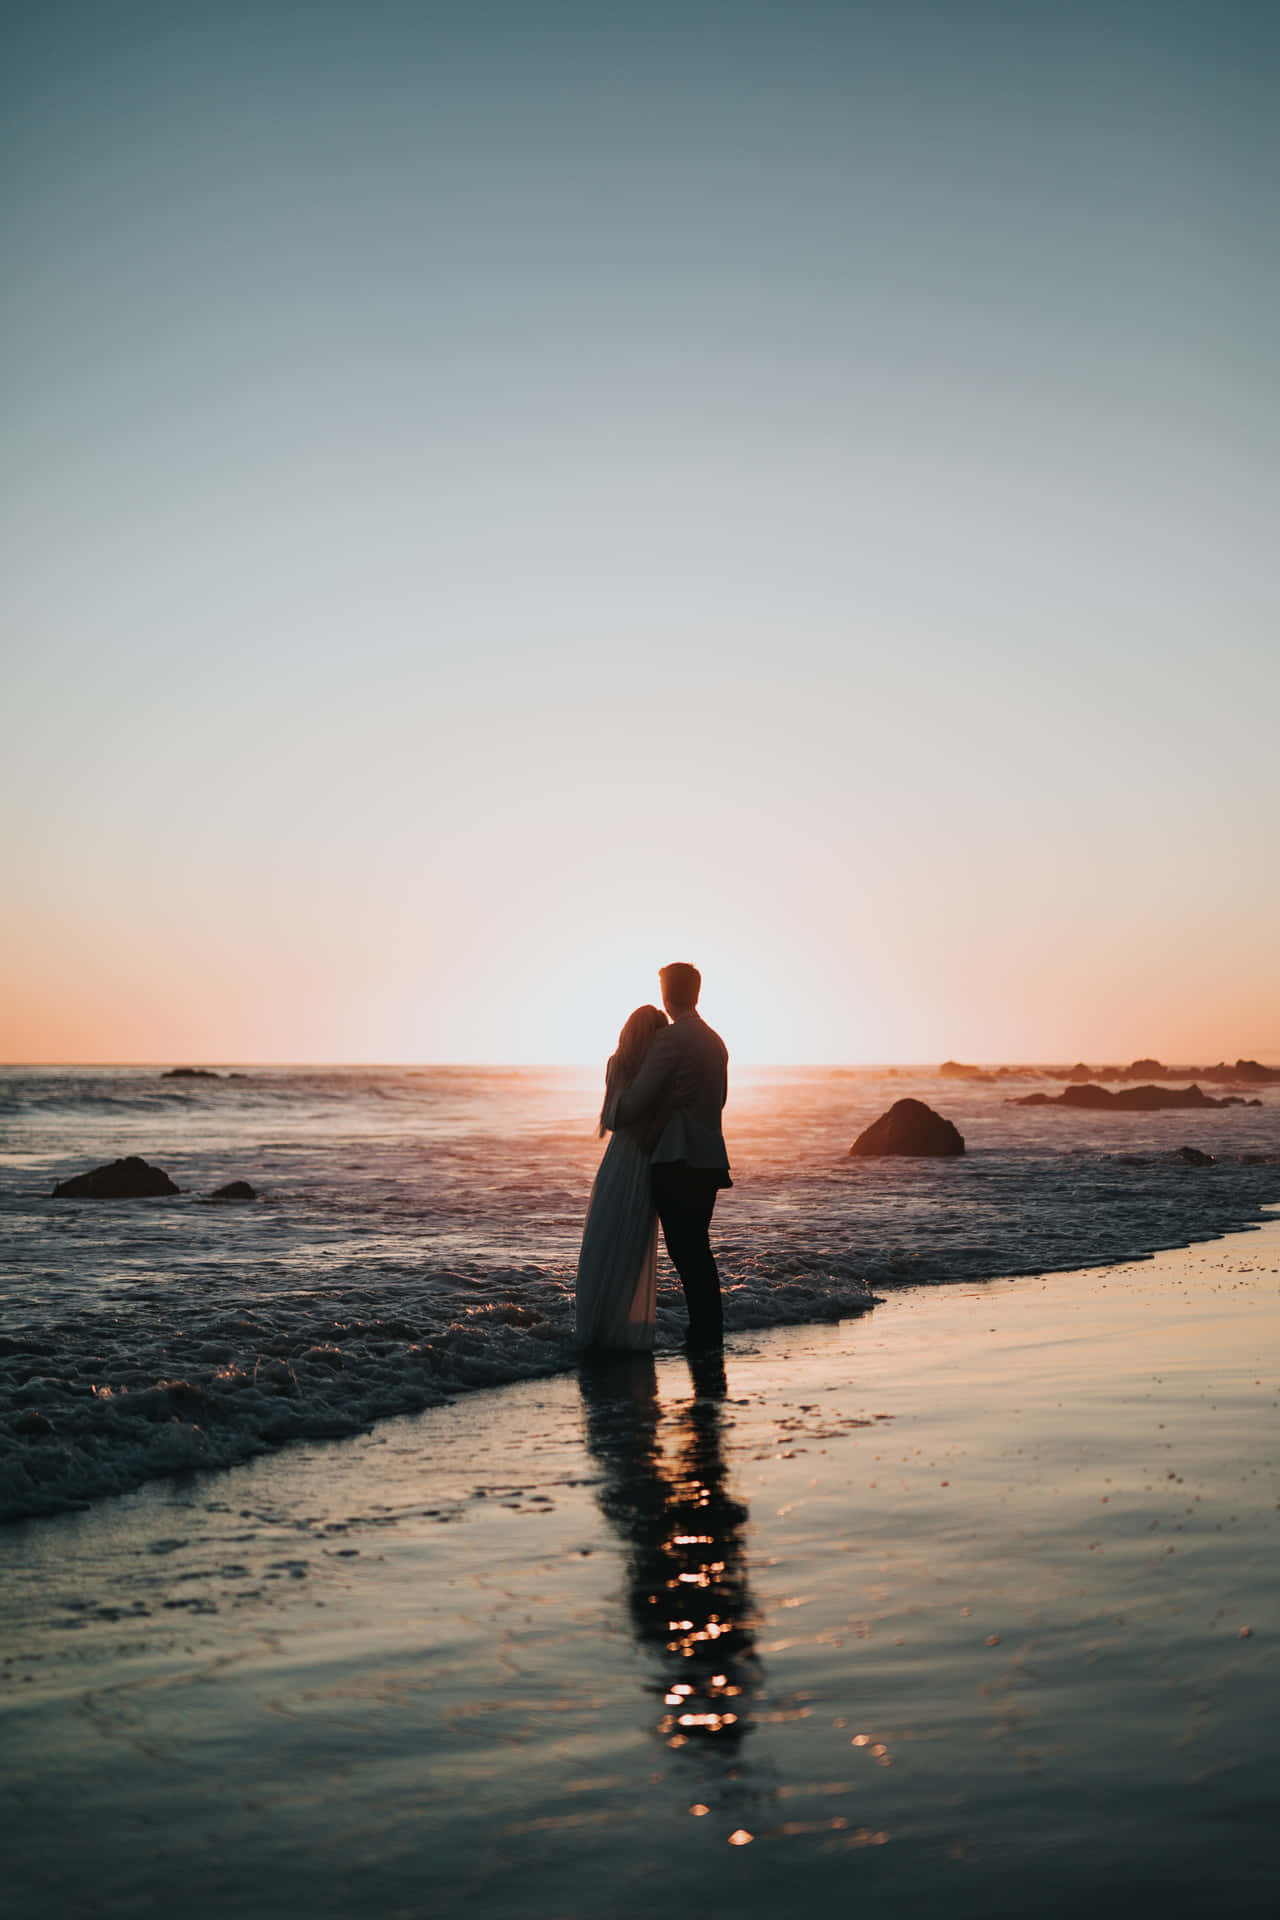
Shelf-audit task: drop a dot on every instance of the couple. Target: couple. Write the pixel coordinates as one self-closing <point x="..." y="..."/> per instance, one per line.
<point x="664" y="1093"/>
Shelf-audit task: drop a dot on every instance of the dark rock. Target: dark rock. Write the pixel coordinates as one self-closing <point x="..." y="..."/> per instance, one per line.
<point x="235" y="1190"/>
<point x="1153" y="1099"/>
<point x="956" y="1070"/>
<point x="1130" y="1100"/>
<point x="191" y="1073"/>
<point x="1079" y="1074"/>
<point x="1244" y="1073"/>
<point x="33" y="1424"/>
<point x="130" y="1179"/>
<point x="909" y="1127"/>
<point x="1194" y="1157"/>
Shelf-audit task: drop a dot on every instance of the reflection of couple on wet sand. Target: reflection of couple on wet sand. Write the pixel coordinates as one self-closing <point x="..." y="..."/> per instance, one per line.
<point x="664" y="1165"/>
<point x="684" y="1534"/>
<point x="664" y="1094"/>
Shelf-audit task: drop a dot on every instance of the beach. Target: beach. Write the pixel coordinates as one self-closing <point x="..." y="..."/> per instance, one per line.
<point x="966" y="1604"/>
<point x="415" y="1237"/>
<point x="519" y="514"/>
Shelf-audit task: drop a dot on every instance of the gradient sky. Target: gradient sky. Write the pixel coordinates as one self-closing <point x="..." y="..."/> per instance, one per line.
<point x="502" y="496"/>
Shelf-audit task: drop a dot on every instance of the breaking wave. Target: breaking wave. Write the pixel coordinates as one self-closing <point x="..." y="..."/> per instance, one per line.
<point x="387" y="1265"/>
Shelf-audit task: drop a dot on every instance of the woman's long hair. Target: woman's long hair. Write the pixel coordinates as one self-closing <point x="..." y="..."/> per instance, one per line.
<point x="633" y="1043"/>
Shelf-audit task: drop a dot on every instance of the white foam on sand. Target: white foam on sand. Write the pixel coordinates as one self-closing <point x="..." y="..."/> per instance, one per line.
<point x="110" y="1400"/>
<point x="964" y="1606"/>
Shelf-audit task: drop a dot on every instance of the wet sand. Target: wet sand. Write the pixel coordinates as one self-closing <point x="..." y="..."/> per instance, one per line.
<point x="967" y="1606"/>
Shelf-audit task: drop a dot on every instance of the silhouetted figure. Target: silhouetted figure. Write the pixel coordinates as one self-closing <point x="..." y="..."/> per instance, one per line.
<point x="680" y="1092"/>
<point x="617" y="1291"/>
<point x="686" y="1577"/>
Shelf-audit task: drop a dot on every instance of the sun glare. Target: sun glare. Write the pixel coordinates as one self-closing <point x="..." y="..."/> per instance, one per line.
<point x="747" y="995"/>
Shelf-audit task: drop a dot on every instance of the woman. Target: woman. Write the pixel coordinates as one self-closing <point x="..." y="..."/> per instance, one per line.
<point x="618" y="1265"/>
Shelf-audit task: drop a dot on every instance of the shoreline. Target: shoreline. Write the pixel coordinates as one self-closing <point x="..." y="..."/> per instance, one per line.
<point x="181" y="1418"/>
<point x="403" y="1248"/>
<point x="989" y="1573"/>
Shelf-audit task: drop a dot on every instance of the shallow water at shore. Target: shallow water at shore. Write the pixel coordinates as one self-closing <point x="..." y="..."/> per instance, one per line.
<point x="417" y="1231"/>
<point x="966" y="1606"/>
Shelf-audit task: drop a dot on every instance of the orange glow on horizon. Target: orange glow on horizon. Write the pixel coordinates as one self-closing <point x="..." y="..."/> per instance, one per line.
<point x="778" y="995"/>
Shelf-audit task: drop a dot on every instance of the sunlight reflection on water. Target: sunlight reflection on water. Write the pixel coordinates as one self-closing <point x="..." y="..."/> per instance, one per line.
<point x="991" y="1572"/>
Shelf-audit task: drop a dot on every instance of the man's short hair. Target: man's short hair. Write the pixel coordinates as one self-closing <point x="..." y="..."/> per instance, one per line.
<point x="681" y="984"/>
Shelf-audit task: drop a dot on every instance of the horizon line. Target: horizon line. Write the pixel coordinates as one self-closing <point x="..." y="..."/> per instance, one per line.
<point x="1263" y="1056"/>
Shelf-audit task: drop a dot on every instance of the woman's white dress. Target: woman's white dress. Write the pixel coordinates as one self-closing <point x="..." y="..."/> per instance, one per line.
<point x="618" y="1265"/>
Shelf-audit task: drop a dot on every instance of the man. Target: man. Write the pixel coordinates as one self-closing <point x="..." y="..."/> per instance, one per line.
<point x="680" y="1090"/>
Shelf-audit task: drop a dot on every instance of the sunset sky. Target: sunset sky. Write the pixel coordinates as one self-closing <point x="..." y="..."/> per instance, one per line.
<point x="502" y="496"/>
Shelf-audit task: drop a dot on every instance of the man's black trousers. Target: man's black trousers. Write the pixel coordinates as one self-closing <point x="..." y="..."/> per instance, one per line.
<point x="685" y="1198"/>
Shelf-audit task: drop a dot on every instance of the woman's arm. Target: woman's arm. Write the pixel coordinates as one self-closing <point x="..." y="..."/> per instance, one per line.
<point x="650" y="1084"/>
<point x="612" y="1087"/>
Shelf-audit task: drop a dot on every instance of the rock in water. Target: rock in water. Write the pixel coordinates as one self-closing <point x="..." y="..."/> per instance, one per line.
<point x="1194" y="1157"/>
<point x="1251" y="1070"/>
<point x="130" y="1179"/>
<point x="909" y="1127"/>
<point x="1128" y="1100"/>
<point x="234" y="1190"/>
<point x="191" y="1073"/>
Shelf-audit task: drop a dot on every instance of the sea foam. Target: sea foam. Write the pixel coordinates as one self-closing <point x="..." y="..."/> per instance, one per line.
<point x="417" y="1234"/>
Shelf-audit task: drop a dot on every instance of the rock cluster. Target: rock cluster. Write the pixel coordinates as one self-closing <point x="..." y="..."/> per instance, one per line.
<point x="136" y="1179"/>
<point x="1243" y="1073"/>
<point x="1131" y="1099"/>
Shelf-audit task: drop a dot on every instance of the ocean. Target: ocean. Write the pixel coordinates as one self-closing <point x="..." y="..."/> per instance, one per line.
<point x="416" y="1230"/>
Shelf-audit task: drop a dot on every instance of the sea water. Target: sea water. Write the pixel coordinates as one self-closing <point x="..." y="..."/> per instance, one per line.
<point x="415" y="1234"/>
